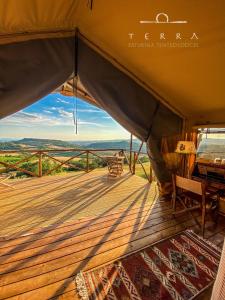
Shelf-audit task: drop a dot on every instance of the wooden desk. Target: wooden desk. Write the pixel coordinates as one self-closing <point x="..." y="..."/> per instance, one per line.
<point x="217" y="188"/>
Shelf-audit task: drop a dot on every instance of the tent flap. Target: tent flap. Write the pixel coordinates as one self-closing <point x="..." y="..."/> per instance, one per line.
<point x="130" y="104"/>
<point x="183" y="63"/>
<point x="124" y="99"/>
<point x="32" y="69"/>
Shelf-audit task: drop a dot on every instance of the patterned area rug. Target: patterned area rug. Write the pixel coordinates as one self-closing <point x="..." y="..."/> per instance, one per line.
<point x="179" y="267"/>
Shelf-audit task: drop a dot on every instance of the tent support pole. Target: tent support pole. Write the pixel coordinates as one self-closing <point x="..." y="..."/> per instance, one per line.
<point x="136" y="155"/>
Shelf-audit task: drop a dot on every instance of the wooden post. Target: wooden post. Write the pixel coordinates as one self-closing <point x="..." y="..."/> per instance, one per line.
<point x="150" y="173"/>
<point x="131" y="146"/>
<point x="87" y="165"/>
<point x="40" y="165"/>
<point x="134" y="163"/>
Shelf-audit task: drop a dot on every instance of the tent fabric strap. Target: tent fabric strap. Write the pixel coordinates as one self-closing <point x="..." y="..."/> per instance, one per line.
<point x="152" y="121"/>
<point x="75" y="79"/>
<point x="76" y="52"/>
<point x="155" y="154"/>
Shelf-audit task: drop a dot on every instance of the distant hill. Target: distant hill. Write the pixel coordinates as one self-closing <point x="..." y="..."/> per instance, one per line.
<point x="44" y="143"/>
<point x="10" y="146"/>
<point x="125" y="144"/>
<point x="213" y="141"/>
<point x="32" y="143"/>
<point x="214" y="147"/>
<point x="8" y="139"/>
<point x="211" y="148"/>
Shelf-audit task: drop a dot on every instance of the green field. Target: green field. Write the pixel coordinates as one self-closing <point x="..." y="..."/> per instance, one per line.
<point x="76" y="164"/>
<point x="139" y="170"/>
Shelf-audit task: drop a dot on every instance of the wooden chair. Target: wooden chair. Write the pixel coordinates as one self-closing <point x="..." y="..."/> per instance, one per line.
<point x="192" y="195"/>
<point x="115" y="165"/>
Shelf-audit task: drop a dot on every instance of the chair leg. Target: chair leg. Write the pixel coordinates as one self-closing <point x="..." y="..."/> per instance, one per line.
<point x="174" y="201"/>
<point x="203" y="218"/>
<point x="215" y="213"/>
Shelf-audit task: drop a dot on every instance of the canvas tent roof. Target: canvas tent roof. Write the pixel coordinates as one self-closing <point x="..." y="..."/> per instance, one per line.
<point x="190" y="79"/>
<point x="148" y="87"/>
<point x="75" y="88"/>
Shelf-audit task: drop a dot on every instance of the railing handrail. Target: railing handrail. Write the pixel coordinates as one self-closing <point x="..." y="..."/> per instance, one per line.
<point x="60" y="150"/>
<point x="68" y="150"/>
<point x="81" y="151"/>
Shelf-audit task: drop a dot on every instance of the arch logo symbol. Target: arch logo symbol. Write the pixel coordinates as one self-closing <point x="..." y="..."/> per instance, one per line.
<point x="162" y="18"/>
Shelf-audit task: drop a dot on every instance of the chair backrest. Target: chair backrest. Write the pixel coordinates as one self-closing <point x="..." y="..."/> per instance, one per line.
<point x="189" y="185"/>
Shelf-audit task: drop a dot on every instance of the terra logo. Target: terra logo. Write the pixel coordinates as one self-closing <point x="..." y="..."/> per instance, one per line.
<point x="163" y="18"/>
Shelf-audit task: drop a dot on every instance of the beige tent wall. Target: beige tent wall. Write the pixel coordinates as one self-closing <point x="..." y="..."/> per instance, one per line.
<point x="189" y="79"/>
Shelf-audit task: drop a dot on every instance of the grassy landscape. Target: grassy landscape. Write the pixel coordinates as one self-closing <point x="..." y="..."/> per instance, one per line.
<point x="211" y="148"/>
<point x="30" y="164"/>
<point x="31" y="143"/>
<point x="48" y="164"/>
<point x="77" y="164"/>
<point x="139" y="170"/>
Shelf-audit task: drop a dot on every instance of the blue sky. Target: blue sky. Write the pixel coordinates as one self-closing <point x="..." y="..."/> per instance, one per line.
<point x="52" y="117"/>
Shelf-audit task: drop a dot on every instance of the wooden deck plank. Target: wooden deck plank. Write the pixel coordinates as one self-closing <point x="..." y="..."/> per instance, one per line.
<point x="78" y="243"/>
<point x="79" y="227"/>
<point x="85" y="232"/>
<point x="37" y="204"/>
<point x="77" y="222"/>
<point x="68" y="266"/>
<point x="83" y="249"/>
<point x="56" y="280"/>
<point x="47" y="245"/>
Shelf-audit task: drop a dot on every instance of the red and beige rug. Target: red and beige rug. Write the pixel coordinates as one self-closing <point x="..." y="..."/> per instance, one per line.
<point x="179" y="267"/>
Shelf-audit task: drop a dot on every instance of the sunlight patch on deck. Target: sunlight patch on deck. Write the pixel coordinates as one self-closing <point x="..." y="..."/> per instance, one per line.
<point x="50" y="200"/>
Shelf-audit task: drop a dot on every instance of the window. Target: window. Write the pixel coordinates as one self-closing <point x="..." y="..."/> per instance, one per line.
<point x="211" y="144"/>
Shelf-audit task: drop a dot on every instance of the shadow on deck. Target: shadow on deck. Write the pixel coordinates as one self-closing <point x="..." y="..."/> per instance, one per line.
<point x="53" y="227"/>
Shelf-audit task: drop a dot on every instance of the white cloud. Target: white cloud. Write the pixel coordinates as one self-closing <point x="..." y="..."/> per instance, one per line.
<point x="107" y="117"/>
<point x="64" y="113"/>
<point x="62" y="101"/>
<point x="22" y="117"/>
<point x="89" y="110"/>
<point x="47" y="111"/>
<point x="37" y="119"/>
<point x="80" y="122"/>
<point x="55" y="108"/>
<point x="29" y="119"/>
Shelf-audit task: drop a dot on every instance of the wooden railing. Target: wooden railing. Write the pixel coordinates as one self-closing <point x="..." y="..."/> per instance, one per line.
<point x="38" y="157"/>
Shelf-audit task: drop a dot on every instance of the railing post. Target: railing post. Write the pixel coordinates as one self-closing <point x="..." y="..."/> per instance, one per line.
<point x="40" y="164"/>
<point x="87" y="165"/>
<point x="131" y="146"/>
<point x="134" y="163"/>
<point x="150" y="173"/>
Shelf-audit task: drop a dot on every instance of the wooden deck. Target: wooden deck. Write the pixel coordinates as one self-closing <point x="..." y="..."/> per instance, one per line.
<point x="53" y="227"/>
